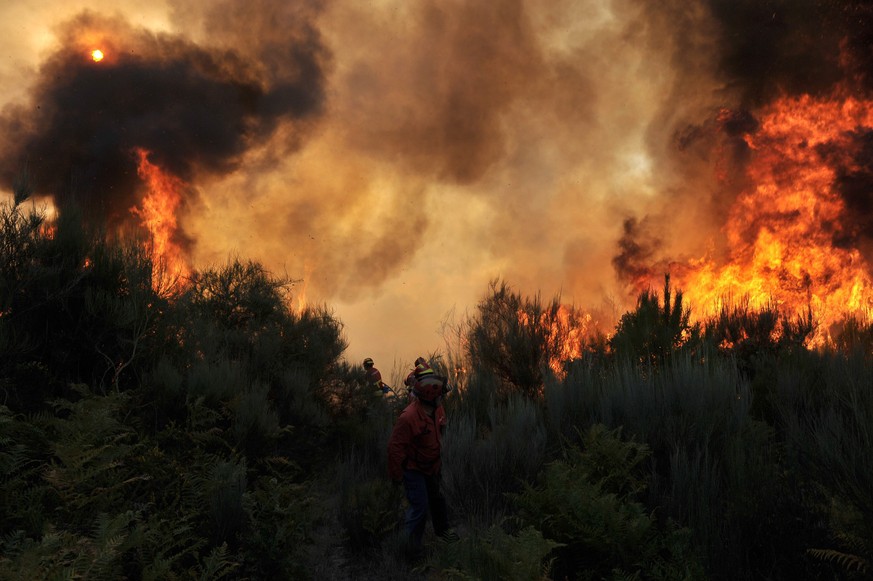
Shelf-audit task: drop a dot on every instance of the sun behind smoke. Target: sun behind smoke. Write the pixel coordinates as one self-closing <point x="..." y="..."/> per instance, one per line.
<point x="97" y="55"/>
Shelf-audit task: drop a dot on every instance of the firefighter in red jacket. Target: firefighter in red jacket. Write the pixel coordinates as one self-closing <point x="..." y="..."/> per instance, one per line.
<point x="414" y="459"/>
<point x="421" y="370"/>
<point x="374" y="377"/>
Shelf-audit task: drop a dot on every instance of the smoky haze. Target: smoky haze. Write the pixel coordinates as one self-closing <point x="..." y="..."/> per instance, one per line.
<point x="396" y="154"/>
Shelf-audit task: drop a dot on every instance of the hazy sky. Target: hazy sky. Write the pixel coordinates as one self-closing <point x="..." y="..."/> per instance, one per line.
<point x="398" y="154"/>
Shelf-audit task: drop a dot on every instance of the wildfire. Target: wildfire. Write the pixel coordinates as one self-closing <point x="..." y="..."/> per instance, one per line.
<point x="97" y="55"/>
<point x="788" y="242"/>
<point x="300" y="299"/>
<point x="158" y="216"/>
<point x="566" y="331"/>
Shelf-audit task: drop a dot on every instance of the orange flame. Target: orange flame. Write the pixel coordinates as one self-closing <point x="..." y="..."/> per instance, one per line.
<point x="301" y="293"/>
<point x="158" y="216"/>
<point x="781" y="232"/>
<point x="567" y="332"/>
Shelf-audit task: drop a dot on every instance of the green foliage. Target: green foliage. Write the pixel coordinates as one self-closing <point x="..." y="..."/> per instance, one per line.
<point x="94" y="470"/>
<point x="494" y="554"/>
<point x="280" y="517"/>
<point x="853" y="535"/>
<point x="241" y="312"/>
<point x="96" y="554"/>
<point x="224" y="487"/>
<point x="689" y="403"/>
<point x="587" y="502"/>
<point x="24" y="451"/>
<point x="827" y="419"/>
<point x="256" y="423"/>
<point x="652" y="332"/>
<point x="370" y="506"/>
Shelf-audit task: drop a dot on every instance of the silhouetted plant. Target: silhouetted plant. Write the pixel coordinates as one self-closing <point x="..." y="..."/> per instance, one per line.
<point x="652" y="332"/>
<point x="827" y="420"/>
<point x="852" y="334"/>
<point x="513" y="337"/>
<point x="75" y="305"/>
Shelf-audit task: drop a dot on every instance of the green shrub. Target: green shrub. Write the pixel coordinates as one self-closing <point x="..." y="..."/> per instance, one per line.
<point x="60" y="554"/>
<point x="255" y="422"/>
<point x="75" y="305"/>
<point x="494" y="554"/>
<point x="588" y="503"/>
<point x="223" y="489"/>
<point x="370" y="506"/>
<point x="95" y="468"/>
<point x="25" y="450"/>
<point x="281" y="516"/>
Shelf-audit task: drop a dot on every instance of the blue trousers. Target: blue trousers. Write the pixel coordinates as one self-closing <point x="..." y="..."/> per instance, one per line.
<point x="424" y="496"/>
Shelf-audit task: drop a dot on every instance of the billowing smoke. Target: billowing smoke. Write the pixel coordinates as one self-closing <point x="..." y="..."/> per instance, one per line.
<point x="758" y="52"/>
<point x="398" y="154"/>
<point x="793" y="46"/>
<point x="197" y="108"/>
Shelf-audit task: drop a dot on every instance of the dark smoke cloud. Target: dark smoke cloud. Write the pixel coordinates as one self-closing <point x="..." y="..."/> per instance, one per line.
<point x="637" y="245"/>
<point x="793" y="46"/>
<point x="197" y="108"/>
<point x="758" y="51"/>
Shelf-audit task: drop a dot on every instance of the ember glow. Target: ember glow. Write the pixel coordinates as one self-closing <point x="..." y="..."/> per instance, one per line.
<point x="158" y="216"/>
<point x="566" y="331"/>
<point x="789" y="242"/>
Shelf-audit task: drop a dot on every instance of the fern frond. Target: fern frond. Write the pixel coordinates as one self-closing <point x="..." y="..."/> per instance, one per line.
<point x="847" y="561"/>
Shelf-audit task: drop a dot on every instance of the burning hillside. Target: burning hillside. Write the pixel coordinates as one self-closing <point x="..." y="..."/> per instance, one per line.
<point x="793" y="172"/>
<point x="798" y="235"/>
<point x="399" y="155"/>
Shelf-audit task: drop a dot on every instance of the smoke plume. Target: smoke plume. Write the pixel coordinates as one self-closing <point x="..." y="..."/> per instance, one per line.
<point x="397" y="155"/>
<point x="196" y="108"/>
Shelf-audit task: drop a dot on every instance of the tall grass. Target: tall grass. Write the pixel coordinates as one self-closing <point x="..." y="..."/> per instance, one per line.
<point x="482" y="461"/>
<point x="827" y="417"/>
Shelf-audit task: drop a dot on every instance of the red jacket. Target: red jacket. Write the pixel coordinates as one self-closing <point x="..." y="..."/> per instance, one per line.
<point x="374" y="378"/>
<point x="415" y="441"/>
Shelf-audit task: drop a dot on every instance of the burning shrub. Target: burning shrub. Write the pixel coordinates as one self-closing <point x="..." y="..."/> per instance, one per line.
<point x="513" y="338"/>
